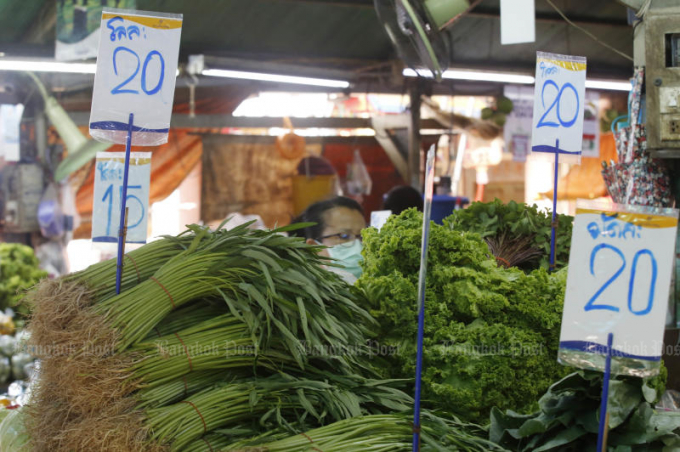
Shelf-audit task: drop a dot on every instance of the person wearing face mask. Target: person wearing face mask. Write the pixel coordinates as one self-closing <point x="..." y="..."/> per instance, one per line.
<point x="338" y="224"/>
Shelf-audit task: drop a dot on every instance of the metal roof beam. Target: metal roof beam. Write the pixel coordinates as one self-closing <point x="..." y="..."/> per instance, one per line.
<point x="242" y="122"/>
<point x="495" y="13"/>
<point x="349" y="3"/>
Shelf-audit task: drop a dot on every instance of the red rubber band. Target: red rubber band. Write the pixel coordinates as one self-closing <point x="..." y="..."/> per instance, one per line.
<point x="208" y="444"/>
<point x="139" y="277"/>
<point x="205" y="427"/>
<point x="166" y="291"/>
<point x="186" y="350"/>
<point x="186" y="388"/>
<point x="305" y="435"/>
<point x="503" y="261"/>
<point x="316" y="449"/>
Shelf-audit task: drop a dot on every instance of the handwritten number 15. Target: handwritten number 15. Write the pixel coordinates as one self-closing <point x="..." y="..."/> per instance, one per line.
<point x="556" y="105"/>
<point x="119" y="89"/>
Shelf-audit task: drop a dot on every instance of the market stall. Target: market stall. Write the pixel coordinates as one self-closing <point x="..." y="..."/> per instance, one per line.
<point x="195" y="251"/>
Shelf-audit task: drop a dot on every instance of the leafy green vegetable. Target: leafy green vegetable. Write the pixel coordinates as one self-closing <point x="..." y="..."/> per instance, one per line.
<point x="491" y="334"/>
<point x="517" y="234"/>
<point x="568" y="418"/>
<point x="18" y="272"/>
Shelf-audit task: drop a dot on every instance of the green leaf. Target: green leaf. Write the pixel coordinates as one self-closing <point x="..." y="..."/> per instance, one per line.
<point x="564" y="437"/>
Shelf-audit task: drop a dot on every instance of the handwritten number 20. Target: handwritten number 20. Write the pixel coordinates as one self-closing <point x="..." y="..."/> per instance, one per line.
<point x="591" y="306"/>
<point x="118" y="89"/>
<point x="556" y="105"/>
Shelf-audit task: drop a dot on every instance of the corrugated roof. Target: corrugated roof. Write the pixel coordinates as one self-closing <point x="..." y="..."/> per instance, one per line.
<point x="346" y="32"/>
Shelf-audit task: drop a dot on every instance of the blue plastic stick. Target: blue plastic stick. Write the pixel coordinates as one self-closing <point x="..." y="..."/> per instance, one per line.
<point x="604" y="417"/>
<point x="554" y="209"/>
<point x="427" y="210"/>
<point x="121" y="229"/>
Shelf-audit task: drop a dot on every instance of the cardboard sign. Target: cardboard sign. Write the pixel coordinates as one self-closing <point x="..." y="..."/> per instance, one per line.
<point x="619" y="279"/>
<point x="136" y="70"/>
<point x="108" y="189"/>
<point x="379" y="218"/>
<point x="559" y="102"/>
<point x="518" y="21"/>
<point x="10" y="131"/>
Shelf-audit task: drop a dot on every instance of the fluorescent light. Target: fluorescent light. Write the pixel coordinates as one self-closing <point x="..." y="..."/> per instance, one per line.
<point x="47" y="66"/>
<point x="275" y="78"/>
<point x="480" y="76"/>
<point x="608" y="85"/>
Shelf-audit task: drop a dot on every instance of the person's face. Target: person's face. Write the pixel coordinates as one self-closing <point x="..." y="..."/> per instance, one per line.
<point x="342" y="220"/>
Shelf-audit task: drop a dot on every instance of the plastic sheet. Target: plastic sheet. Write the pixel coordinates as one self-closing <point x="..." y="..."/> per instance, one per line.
<point x="559" y="106"/>
<point x="135" y="81"/>
<point x="108" y="184"/>
<point x="637" y="178"/>
<point x="619" y="278"/>
<point x="13" y="436"/>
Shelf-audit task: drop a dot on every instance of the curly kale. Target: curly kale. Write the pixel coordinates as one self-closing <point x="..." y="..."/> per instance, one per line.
<point x="491" y="334"/>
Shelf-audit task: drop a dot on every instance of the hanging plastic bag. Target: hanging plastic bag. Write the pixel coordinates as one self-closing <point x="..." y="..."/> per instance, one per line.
<point x="50" y="216"/>
<point x="358" y="180"/>
<point x="637" y="178"/>
<point x="69" y="209"/>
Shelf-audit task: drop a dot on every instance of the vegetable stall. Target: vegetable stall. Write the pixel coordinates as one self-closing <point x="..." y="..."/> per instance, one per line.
<point x="241" y="340"/>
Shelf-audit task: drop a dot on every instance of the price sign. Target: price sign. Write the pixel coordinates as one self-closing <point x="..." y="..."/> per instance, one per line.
<point x="619" y="279"/>
<point x="559" y="100"/>
<point x="136" y="67"/>
<point x="379" y="218"/>
<point x="108" y="189"/>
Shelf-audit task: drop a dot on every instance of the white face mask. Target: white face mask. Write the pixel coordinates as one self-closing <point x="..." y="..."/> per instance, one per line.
<point x="348" y="255"/>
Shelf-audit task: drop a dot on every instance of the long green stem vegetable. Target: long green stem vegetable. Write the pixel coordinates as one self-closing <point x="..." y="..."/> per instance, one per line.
<point x="375" y="433"/>
<point x="218" y="336"/>
<point x="139" y="265"/>
<point x="187" y="316"/>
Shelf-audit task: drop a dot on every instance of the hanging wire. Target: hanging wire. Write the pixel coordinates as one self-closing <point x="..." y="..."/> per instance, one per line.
<point x="559" y="11"/>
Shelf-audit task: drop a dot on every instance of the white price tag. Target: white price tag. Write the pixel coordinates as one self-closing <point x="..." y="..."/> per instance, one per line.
<point x="619" y="279"/>
<point x="559" y="101"/>
<point x="108" y="191"/>
<point x="136" y="67"/>
<point x="379" y="218"/>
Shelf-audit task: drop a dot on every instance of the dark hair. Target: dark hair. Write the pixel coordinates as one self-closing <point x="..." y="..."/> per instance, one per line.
<point x="401" y="198"/>
<point x="315" y="213"/>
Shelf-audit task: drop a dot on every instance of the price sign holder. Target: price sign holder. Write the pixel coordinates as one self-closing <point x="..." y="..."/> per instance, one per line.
<point x="130" y="96"/>
<point x="427" y="211"/>
<point x="559" y="105"/>
<point x="618" y="284"/>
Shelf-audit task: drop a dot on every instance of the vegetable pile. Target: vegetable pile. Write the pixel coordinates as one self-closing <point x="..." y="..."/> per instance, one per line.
<point x="491" y="333"/>
<point x="19" y="271"/>
<point x="217" y="337"/>
<point x="569" y="414"/>
<point x="517" y="234"/>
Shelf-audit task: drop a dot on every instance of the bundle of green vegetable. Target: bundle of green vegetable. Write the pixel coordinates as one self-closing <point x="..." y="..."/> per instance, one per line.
<point x="19" y="271"/>
<point x="373" y="433"/>
<point x="569" y="415"/>
<point x="518" y="235"/>
<point x="491" y="333"/>
<point x="235" y="330"/>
